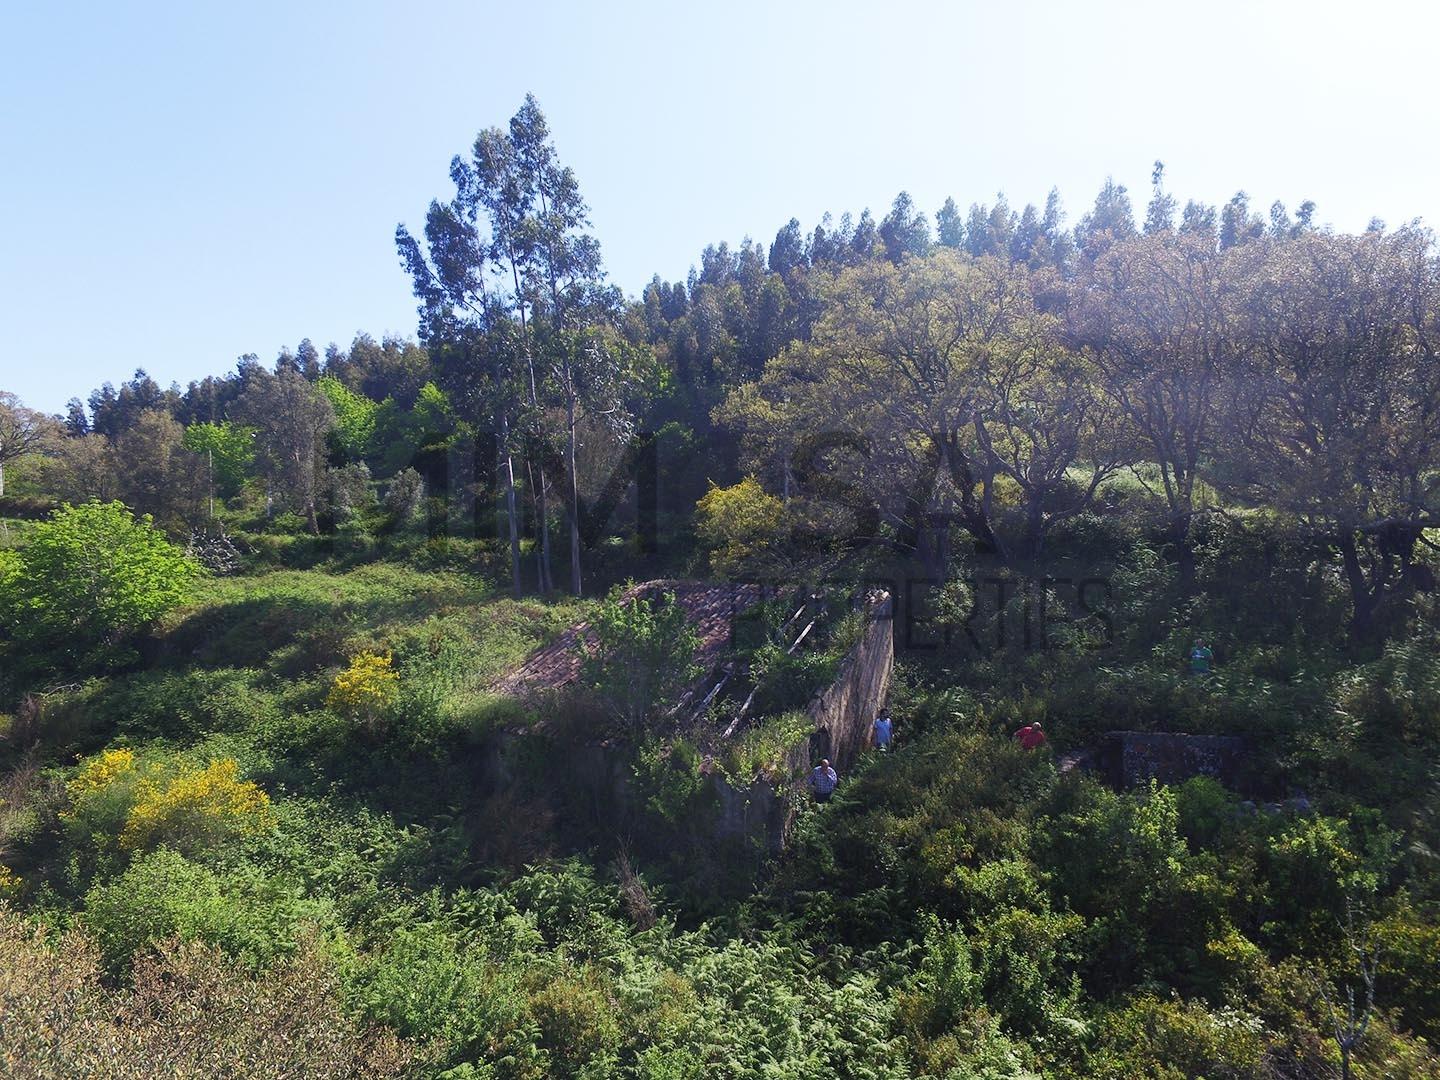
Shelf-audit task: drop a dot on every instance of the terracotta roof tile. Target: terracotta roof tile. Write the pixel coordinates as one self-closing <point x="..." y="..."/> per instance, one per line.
<point x="712" y="609"/>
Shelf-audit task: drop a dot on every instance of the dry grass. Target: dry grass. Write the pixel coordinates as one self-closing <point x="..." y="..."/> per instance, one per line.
<point x="188" y="1015"/>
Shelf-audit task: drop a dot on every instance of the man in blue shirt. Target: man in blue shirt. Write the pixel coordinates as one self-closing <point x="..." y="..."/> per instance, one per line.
<point x="823" y="780"/>
<point x="1200" y="657"/>
<point x="883" y="730"/>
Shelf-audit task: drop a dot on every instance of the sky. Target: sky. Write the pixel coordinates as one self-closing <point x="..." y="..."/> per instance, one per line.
<point x="188" y="182"/>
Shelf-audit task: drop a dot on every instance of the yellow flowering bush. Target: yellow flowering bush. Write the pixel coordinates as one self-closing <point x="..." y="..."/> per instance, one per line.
<point x="142" y="805"/>
<point x="739" y="525"/>
<point x="9" y="882"/>
<point x="196" y="805"/>
<point x="100" y="773"/>
<point x="366" y="689"/>
<point x="101" y="794"/>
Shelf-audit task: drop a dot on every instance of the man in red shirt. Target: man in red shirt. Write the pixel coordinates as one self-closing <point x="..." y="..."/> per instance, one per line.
<point x="1030" y="736"/>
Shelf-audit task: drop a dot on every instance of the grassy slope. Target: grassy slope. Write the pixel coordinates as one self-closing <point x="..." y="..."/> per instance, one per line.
<point x="243" y="672"/>
<point x="367" y="828"/>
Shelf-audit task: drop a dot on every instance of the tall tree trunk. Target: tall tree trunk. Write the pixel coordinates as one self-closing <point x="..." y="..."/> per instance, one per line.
<point x="1362" y="597"/>
<point x="311" y="482"/>
<point x="541" y="507"/>
<point x="574" y="480"/>
<point x="1184" y="550"/>
<point x="546" y="577"/>
<point x="542" y="513"/>
<point x="2" y="479"/>
<point x="507" y="464"/>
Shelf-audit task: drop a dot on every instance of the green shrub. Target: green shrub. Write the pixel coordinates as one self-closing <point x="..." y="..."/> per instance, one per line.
<point x="1315" y="869"/>
<point x="945" y="987"/>
<point x="1409" y="947"/>
<point x="787" y="681"/>
<point x="88" y="579"/>
<point x="577" y="1024"/>
<point x="762" y="748"/>
<point x="1207" y="812"/>
<point x="644" y="655"/>
<point x="176" y="705"/>
<point x="669" y="778"/>
<point x="250" y="917"/>
<point x="1174" y="1040"/>
<point x="1120" y="861"/>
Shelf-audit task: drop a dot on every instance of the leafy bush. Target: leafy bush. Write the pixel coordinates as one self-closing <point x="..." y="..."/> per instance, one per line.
<point x="177" y="705"/>
<point x="196" y="808"/>
<point x="1316" y="868"/>
<point x="161" y="894"/>
<point x="354" y="432"/>
<point x="101" y="795"/>
<point x="1120" y="861"/>
<point x="424" y="983"/>
<point x="31" y="800"/>
<point x="763" y="747"/>
<point x="644" y="654"/>
<point x="405" y="497"/>
<point x="349" y="491"/>
<point x="1409" y="947"/>
<point x="670" y="778"/>
<point x="577" y="1024"/>
<point x="1174" y="1040"/>
<point x="229" y="449"/>
<point x="88" y="578"/>
<point x="945" y="987"/>
<point x="738" y="524"/>
<point x="788" y="681"/>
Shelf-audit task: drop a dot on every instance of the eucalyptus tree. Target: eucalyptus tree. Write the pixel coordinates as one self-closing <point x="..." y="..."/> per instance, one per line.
<point x="1110" y="220"/>
<point x="292" y="420"/>
<point x="1237" y="224"/>
<point x="496" y="180"/>
<point x="464" y="323"/>
<point x="905" y="231"/>
<point x="1160" y="213"/>
<point x="566" y="278"/>
<point x="77" y="422"/>
<point x="787" y="253"/>
<point x="113" y="412"/>
<point x="949" y="225"/>
<point x="513" y="279"/>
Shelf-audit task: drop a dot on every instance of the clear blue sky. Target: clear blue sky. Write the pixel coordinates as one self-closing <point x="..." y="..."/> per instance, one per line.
<point x="186" y="182"/>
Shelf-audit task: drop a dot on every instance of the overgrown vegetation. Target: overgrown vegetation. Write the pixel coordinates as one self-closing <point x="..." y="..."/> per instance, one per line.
<point x="262" y="811"/>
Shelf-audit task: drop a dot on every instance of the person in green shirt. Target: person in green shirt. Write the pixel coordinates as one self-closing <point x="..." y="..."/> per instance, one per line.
<point x="1200" y="657"/>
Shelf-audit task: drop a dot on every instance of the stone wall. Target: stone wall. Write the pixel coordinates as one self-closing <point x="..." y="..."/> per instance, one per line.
<point x="843" y="711"/>
<point x="841" y="715"/>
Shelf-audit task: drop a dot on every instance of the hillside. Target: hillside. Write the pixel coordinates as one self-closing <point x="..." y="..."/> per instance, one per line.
<point x="449" y="708"/>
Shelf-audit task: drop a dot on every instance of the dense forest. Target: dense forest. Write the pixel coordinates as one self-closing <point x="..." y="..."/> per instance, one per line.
<point x="250" y="632"/>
